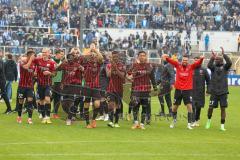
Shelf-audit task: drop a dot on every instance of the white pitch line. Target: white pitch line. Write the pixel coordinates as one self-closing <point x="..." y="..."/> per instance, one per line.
<point x="121" y="154"/>
<point x="114" y="141"/>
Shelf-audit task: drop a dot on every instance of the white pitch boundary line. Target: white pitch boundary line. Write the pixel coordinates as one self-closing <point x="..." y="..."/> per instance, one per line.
<point x="121" y="154"/>
<point x="133" y="142"/>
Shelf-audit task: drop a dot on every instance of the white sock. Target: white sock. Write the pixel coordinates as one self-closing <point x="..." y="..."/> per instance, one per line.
<point x="222" y="125"/>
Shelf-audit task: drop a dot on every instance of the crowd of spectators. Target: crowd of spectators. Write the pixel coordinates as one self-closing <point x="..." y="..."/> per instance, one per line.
<point x="56" y="22"/>
<point x="181" y="15"/>
<point x="169" y="44"/>
<point x="18" y="37"/>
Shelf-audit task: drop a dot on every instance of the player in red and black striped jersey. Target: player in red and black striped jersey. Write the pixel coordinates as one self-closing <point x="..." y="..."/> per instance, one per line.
<point x="91" y="62"/>
<point x="142" y="76"/>
<point x="45" y="71"/>
<point x="25" y="87"/>
<point x="71" y="84"/>
<point x="116" y="72"/>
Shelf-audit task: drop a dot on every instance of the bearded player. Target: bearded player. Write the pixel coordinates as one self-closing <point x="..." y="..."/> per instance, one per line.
<point x="116" y="72"/>
<point x="25" y="87"/>
<point x="91" y="61"/>
<point x="142" y="76"/>
<point x="183" y="86"/>
<point x="71" y="85"/>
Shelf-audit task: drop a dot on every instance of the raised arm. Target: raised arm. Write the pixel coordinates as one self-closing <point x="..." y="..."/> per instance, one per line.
<point x="121" y="73"/>
<point x="207" y="79"/>
<point x="27" y="65"/>
<point x="210" y="63"/>
<point x="198" y="63"/>
<point x="153" y="80"/>
<point x="165" y="57"/>
<point x="98" y="56"/>
<point x="172" y="74"/>
<point x="172" y="62"/>
<point x="228" y="64"/>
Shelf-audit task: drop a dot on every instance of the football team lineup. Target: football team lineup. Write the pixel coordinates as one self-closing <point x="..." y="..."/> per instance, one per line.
<point x="77" y="81"/>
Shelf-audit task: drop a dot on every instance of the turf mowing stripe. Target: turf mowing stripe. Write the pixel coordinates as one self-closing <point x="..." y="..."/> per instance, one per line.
<point x="123" y="154"/>
<point x="70" y="142"/>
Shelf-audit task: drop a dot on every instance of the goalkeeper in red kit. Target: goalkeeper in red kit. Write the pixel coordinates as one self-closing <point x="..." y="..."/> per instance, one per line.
<point x="183" y="86"/>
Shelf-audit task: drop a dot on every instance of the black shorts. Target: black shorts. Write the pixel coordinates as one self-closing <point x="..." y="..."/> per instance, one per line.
<point x="44" y="91"/>
<point x="114" y="97"/>
<point x="25" y="93"/>
<point x="198" y="103"/>
<point x="185" y="95"/>
<point x="214" y="99"/>
<point x="91" y="94"/>
<point x="140" y="98"/>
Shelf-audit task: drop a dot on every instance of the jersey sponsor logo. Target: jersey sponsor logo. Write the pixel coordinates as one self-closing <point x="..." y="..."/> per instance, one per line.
<point x="184" y="74"/>
<point x="44" y="68"/>
<point x="30" y="70"/>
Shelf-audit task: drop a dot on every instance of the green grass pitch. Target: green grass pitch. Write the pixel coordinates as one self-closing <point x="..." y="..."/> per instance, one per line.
<point x="158" y="141"/>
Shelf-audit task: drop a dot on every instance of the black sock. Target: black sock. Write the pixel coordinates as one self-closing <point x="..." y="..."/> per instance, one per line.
<point x="117" y="115"/>
<point x="198" y="112"/>
<point x="174" y="115"/>
<point x="222" y="121"/>
<point x="20" y="109"/>
<point x="95" y="113"/>
<point x="105" y="107"/>
<point x="30" y="109"/>
<point x="48" y="109"/>
<point x="143" y="115"/>
<point x="162" y="108"/>
<point x="210" y="111"/>
<point x="101" y="108"/>
<point x="86" y="114"/>
<point x="42" y="110"/>
<point x="70" y="116"/>
<point x="34" y="103"/>
<point x="170" y="110"/>
<point x="135" y="112"/>
<point x="81" y="107"/>
<point x="194" y="113"/>
<point x="111" y="113"/>
<point x="129" y="109"/>
<point x="190" y="115"/>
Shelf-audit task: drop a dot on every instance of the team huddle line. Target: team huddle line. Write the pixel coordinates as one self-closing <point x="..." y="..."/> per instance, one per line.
<point x="97" y="80"/>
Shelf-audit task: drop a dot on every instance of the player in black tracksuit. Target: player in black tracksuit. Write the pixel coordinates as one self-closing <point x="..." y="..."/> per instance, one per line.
<point x="2" y="88"/>
<point x="200" y="78"/>
<point x="165" y="78"/>
<point x="218" y="86"/>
